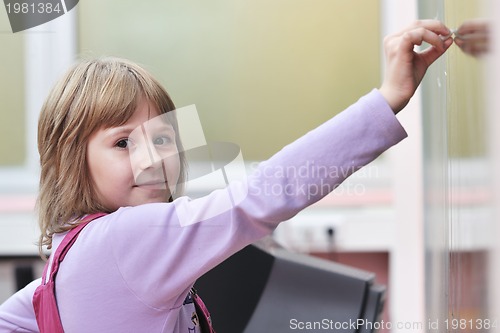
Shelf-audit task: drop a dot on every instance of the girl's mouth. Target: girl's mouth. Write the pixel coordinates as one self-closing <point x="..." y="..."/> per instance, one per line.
<point x="153" y="185"/>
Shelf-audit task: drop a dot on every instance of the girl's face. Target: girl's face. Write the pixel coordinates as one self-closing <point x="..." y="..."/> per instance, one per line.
<point x="135" y="163"/>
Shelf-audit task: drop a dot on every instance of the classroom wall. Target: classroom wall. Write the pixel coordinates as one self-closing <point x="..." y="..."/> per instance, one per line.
<point x="12" y="115"/>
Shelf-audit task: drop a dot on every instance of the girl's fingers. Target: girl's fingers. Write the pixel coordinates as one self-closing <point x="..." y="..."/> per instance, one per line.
<point x="430" y="31"/>
<point x="433" y="25"/>
<point x="432" y="54"/>
<point x="419" y="35"/>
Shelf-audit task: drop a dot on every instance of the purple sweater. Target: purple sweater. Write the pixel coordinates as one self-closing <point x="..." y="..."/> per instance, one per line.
<point x="130" y="271"/>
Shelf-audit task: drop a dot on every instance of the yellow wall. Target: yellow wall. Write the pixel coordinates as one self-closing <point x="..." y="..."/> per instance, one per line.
<point x="260" y="72"/>
<point x="12" y="118"/>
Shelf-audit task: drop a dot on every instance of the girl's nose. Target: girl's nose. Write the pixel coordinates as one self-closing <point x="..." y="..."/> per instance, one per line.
<point x="148" y="157"/>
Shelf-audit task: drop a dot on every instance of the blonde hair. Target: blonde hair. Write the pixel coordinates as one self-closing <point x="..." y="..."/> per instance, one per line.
<point x="93" y="94"/>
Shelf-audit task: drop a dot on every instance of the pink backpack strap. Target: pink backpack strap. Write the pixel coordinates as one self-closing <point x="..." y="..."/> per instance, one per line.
<point x="203" y="314"/>
<point x="44" y="300"/>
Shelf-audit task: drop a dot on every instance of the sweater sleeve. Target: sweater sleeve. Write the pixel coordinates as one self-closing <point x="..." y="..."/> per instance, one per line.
<point x="161" y="249"/>
<point x="17" y="314"/>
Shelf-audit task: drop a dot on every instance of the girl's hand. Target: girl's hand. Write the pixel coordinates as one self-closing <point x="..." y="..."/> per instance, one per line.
<point x="405" y="68"/>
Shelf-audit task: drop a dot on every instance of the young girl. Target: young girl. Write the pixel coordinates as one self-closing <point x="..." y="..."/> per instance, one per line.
<point x="132" y="270"/>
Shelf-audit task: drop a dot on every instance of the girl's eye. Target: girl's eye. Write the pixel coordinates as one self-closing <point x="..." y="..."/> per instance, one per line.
<point x="122" y="144"/>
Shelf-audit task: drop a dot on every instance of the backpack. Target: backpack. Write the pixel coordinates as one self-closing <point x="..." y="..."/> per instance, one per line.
<point x="44" y="299"/>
